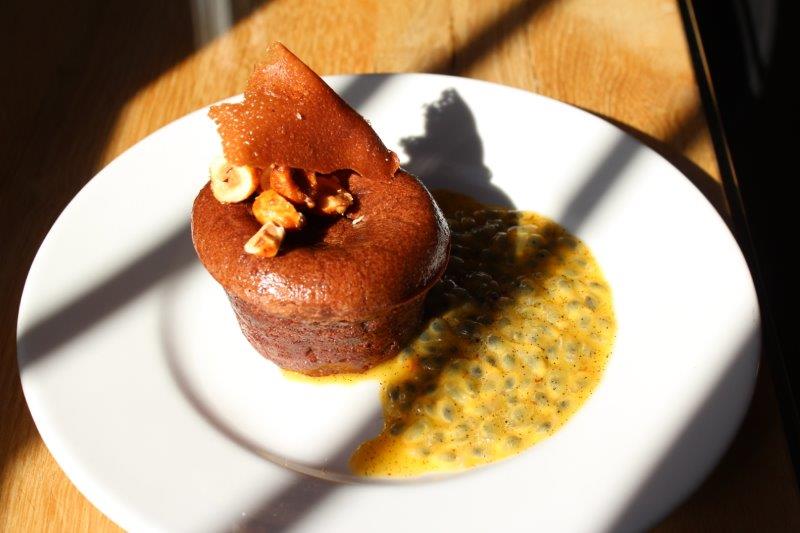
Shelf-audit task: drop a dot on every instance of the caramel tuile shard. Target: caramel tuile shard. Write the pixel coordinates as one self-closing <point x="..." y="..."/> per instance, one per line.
<point x="264" y="128"/>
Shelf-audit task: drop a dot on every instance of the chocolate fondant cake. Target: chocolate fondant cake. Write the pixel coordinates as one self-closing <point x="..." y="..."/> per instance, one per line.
<point x="328" y="267"/>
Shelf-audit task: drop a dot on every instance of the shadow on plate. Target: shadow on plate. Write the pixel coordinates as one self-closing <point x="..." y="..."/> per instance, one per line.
<point x="678" y="465"/>
<point x="328" y="473"/>
<point x="175" y="253"/>
<point x="449" y="155"/>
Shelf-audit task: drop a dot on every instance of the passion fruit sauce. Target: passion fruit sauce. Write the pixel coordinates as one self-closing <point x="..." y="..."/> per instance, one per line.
<point x="517" y="335"/>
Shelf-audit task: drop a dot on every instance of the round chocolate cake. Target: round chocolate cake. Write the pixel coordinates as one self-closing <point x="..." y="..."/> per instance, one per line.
<point x="342" y="293"/>
<point x="342" y="296"/>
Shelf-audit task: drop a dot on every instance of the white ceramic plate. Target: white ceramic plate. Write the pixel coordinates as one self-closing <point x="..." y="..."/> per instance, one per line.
<point x="166" y="419"/>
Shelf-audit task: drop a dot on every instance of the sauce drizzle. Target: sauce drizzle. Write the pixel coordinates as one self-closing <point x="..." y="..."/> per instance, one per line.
<point x="517" y="335"/>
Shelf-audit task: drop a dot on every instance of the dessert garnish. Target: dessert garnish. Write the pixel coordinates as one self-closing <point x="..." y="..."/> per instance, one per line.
<point x="294" y="143"/>
<point x="282" y="194"/>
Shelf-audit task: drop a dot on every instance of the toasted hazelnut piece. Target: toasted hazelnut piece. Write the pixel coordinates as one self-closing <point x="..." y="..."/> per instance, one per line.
<point x="267" y="240"/>
<point x="331" y="198"/>
<point x="281" y="181"/>
<point x="231" y="183"/>
<point x="269" y="206"/>
<point x="335" y="204"/>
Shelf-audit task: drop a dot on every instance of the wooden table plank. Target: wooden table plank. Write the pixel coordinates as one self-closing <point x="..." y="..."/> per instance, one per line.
<point x="90" y="78"/>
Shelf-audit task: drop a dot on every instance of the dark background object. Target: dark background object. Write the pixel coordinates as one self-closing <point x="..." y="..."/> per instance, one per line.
<point x="744" y="55"/>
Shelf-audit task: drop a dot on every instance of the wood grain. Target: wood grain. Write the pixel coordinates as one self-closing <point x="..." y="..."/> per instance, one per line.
<point x="85" y="80"/>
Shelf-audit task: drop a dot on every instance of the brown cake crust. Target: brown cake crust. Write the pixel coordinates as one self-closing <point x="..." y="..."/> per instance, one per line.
<point x="333" y="268"/>
<point x="339" y="297"/>
<point x="320" y="348"/>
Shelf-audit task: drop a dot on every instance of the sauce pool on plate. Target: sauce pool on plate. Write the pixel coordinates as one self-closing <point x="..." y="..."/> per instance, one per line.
<point x="517" y="335"/>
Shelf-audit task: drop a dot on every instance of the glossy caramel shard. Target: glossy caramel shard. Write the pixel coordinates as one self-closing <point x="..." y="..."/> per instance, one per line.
<point x="290" y="117"/>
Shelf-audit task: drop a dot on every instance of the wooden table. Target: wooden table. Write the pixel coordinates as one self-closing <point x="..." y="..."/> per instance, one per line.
<point x="85" y="80"/>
